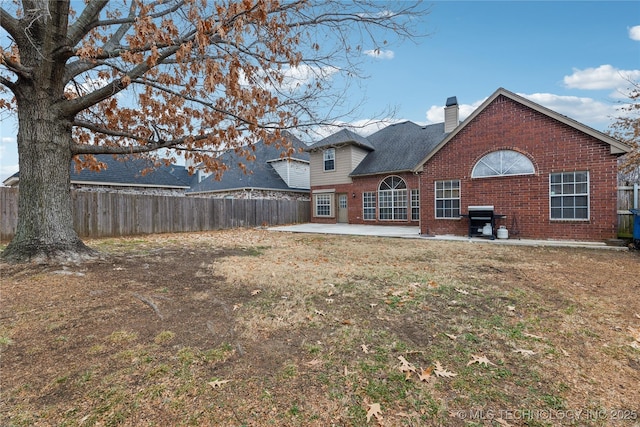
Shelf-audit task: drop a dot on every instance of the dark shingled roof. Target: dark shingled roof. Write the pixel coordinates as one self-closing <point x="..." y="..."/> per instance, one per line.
<point x="129" y="172"/>
<point x="400" y="147"/>
<point x="260" y="174"/>
<point x="342" y="137"/>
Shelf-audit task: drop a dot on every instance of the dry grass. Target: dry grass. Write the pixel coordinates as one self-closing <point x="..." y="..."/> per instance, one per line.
<point x="248" y="327"/>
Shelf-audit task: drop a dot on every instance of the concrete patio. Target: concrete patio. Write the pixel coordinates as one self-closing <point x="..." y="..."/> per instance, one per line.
<point x="414" y="233"/>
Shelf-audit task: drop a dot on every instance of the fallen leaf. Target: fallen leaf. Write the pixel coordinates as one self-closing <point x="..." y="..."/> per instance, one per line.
<point x="374" y="411"/>
<point x="256" y="291"/>
<point x="462" y="291"/>
<point x="538" y="337"/>
<point x="218" y="383"/>
<point x="503" y="422"/>
<point x="432" y="284"/>
<point x="405" y="366"/>
<point x="365" y="348"/>
<point x="236" y="306"/>
<point x="441" y="372"/>
<point x="425" y="375"/>
<point x="480" y="360"/>
<point x="451" y="336"/>
<point x="524" y="352"/>
<point x="564" y="352"/>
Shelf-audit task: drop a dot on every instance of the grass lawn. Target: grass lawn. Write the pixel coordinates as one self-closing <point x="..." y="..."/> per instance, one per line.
<point x="258" y="328"/>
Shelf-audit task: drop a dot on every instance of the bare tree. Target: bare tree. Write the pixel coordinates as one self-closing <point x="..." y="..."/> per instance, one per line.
<point x="626" y="128"/>
<point x="169" y="77"/>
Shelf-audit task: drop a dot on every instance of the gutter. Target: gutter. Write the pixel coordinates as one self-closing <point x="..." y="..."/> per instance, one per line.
<point x="249" y="189"/>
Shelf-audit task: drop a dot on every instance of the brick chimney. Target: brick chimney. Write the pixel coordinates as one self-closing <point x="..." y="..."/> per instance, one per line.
<point x="451" y="114"/>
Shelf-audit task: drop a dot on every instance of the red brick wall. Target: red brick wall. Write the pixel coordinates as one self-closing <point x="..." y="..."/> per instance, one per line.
<point x="354" y="205"/>
<point x="552" y="147"/>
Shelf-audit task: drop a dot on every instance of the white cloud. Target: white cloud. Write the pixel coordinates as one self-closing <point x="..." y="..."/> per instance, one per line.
<point x="634" y="33"/>
<point x="380" y="54"/>
<point x="294" y="78"/>
<point x="364" y="127"/>
<point x="602" y="77"/>
<point x="435" y="114"/>
<point x="583" y="109"/>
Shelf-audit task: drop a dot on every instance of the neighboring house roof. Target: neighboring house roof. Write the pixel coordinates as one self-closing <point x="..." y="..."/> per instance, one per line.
<point x="399" y="148"/>
<point x="342" y="137"/>
<point x="616" y="147"/>
<point x="127" y="173"/>
<point x="260" y="173"/>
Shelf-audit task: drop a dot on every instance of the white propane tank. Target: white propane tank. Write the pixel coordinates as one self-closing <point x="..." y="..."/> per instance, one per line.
<point x="503" y="233"/>
<point x="487" y="230"/>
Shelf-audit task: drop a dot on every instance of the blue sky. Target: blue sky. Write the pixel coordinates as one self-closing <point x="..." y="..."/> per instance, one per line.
<point x="569" y="56"/>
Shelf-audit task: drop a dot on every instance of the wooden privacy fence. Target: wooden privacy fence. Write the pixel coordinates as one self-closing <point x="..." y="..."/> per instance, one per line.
<point x="627" y="199"/>
<point x="104" y="214"/>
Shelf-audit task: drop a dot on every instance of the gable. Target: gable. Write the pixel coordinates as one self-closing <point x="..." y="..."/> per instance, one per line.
<point x="501" y="96"/>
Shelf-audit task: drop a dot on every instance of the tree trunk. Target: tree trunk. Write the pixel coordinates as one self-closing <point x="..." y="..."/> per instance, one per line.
<point x="45" y="223"/>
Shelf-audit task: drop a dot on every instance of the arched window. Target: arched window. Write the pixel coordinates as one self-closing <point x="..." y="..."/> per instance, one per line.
<point x="392" y="199"/>
<point x="502" y="163"/>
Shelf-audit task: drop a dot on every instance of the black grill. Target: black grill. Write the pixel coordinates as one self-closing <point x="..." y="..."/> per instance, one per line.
<point x="479" y="216"/>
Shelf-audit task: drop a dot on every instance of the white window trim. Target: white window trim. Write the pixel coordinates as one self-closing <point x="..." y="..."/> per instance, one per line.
<point x="375" y="205"/>
<point x="435" y="199"/>
<point x="497" y="175"/>
<point x="588" y="194"/>
<point x="331" y="203"/>
<point x="325" y="159"/>
<point x="411" y="200"/>
<point x="394" y="207"/>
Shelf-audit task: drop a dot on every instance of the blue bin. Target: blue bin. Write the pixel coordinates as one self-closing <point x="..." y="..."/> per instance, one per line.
<point x="636" y="227"/>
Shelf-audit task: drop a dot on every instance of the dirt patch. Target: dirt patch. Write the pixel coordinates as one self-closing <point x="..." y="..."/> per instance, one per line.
<point x="249" y="327"/>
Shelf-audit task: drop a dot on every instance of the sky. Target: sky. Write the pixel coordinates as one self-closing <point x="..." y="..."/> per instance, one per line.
<point x="574" y="57"/>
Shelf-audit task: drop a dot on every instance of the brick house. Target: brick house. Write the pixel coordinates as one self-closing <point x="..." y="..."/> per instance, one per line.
<point x="543" y="174"/>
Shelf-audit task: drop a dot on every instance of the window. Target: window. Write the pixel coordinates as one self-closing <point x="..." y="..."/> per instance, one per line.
<point x="329" y="159"/>
<point x="448" y="199"/>
<point x="569" y="195"/>
<point x="323" y="204"/>
<point x="415" y="205"/>
<point x="392" y="198"/>
<point x="342" y="201"/>
<point x="502" y="163"/>
<point x="369" y="205"/>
